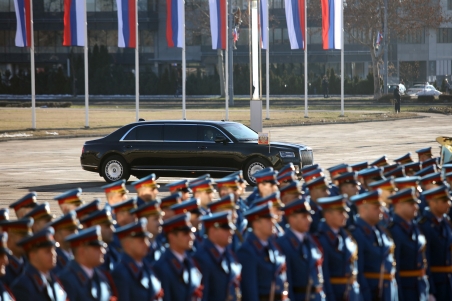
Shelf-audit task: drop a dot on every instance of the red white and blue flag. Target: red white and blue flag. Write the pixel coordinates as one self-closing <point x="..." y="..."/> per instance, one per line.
<point x="332" y="24"/>
<point x="127" y="23"/>
<point x="74" y="23"/>
<point x="263" y="20"/>
<point x="23" y="16"/>
<point x="295" y="18"/>
<point x="175" y="23"/>
<point x="379" y="38"/>
<point x="217" y="9"/>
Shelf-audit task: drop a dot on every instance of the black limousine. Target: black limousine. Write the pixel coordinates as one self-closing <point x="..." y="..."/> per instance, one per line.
<point x="187" y="148"/>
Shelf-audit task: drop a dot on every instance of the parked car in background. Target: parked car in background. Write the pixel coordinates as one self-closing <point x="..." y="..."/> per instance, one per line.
<point x="423" y="90"/>
<point x="187" y="148"/>
<point x="391" y="88"/>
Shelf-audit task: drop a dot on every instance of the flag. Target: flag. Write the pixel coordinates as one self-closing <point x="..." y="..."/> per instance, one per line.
<point x="74" y="23"/>
<point x="217" y="9"/>
<point x="23" y="16"/>
<point x="295" y="23"/>
<point x="264" y="23"/>
<point x="379" y="38"/>
<point x="127" y="23"/>
<point x="332" y="24"/>
<point x="175" y="23"/>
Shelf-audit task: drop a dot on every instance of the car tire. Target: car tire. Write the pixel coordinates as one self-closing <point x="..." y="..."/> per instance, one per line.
<point x="253" y="166"/>
<point x="114" y="169"/>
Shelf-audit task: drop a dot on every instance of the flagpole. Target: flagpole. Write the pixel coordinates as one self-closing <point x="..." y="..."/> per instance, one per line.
<point x="137" y="67"/>
<point x="305" y="60"/>
<point x="184" y="63"/>
<point x="85" y="49"/>
<point x="32" y="71"/>
<point x="226" y="64"/>
<point x="342" y="59"/>
<point x="267" y="62"/>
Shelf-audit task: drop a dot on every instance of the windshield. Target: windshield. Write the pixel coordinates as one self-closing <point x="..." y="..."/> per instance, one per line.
<point x="240" y="131"/>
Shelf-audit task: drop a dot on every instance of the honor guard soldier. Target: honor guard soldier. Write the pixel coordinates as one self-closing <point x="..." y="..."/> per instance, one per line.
<point x="405" y="159"/>
<point x="24" y="205"/>
<point x="123" y="213"/>
<point x="410" y="247"/>
<point x="387" y="188"/>
<point x="218" y="265"/>
<point x="277" y="206"/>
<point x="204" y="191"/>
<point x="263" y="265"/>
<point x="115" y="192"/>
<point x="303" y="254"/>
<point x="167" y="202"/>
<point x="103" y="218"/>
<point x="180" y="278"/>
<point x="286" y="175"/>
<point x="41" y="216"/>
<point x="266" y="184"/>
<point x="152" y="213"/>
<point x="5" y="293"/>
<point x="17" y="230"/>
<point x="193" y="207"/>
<point x="424" y="154"/>
<point x="412" y="168"/>
<point x="307" y="177"/>
<point x="64" y="226"/>
<point x="370" y="175"/>
<point x="69" y="200"/>
<point x="82" y="279"/>
<point x="134" y="278"/>
<point x="318" y="188"/>
<point x="336" y="171"/>
<point x="431" y="181"/>
<point x="87" y="209"/>
<point x="340" y="252"/>
<point x="180" y="186"/>
<point x="435" y="225"/>
<point x="291" y="192"/>
<point x="37" y="282"/>
<point x="147" y="189"/>
<point x="376" y="264"/>
<point x="232" y="184"/>
<point x="348" y="184"/>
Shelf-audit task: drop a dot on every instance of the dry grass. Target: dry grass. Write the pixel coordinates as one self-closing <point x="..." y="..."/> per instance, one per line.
<point x="71" y="121"/>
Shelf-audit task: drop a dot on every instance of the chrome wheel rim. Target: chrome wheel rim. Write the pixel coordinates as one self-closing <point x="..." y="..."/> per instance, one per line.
<point x="114" y="170"/>
<point x="255" y="167"/>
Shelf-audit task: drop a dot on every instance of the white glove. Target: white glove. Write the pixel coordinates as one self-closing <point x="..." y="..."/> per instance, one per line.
<point x="431" y="298"/>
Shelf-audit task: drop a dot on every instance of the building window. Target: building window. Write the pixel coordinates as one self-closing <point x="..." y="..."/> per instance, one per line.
<point x="415" y="37"/>
<point x="6" y="5"/>
<point x="444" y="35"/>
<point x="449" y="4"/>
<point x="53" y="5"/>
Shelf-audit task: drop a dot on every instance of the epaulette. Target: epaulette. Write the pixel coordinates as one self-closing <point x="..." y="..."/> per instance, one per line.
<point x="422" y="220"/>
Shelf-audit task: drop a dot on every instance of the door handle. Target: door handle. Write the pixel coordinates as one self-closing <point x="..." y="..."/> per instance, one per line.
<point x="202" y="147"/>
<point x="128" y="146"/>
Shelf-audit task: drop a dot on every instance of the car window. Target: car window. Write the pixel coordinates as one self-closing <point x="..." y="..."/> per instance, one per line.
<point x="240" y="131"/>
<point x="180" y="132"/>
<point x="208" y="133"/>
<point x="146" y="132"/>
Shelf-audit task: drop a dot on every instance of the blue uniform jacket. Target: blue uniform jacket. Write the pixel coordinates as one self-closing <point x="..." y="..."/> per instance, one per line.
<point x="438" y="253"/>
<point x="409" y="255"/>
<point x="316" y="217"/>
<point x="80" y="288"/>
<point x="135" y="283"/>
<point x="340" y="255"/>
<point x="111" y="259"/>
<point x="375" y="257"/>
<point x="5" y="293"/>
<point x="12" y="270"/>
<point x="220" y="272"/>
<point x="62" y="261"/>
<point x="304" y="266"/>
<point x="179" y="283"/>
<point x="31" y="286"/>
<point x="156" y="250"/>
<point x="260" y="268"/>
<point x="254" y="195"/>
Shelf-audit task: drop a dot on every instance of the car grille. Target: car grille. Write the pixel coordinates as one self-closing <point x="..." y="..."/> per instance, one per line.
<point x="307" y="157"/>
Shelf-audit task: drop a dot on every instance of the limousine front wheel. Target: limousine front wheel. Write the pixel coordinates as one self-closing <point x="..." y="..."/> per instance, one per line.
<point x="114" y="169"/>
<point x="253" y="166"/>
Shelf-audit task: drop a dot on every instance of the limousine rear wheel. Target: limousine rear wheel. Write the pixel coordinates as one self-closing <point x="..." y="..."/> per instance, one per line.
<point x="253" y="166"/>
<point x="115" y="169"/>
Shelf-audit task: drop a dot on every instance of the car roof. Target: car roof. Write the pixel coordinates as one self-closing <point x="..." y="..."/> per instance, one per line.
<point x="181" y="121"/>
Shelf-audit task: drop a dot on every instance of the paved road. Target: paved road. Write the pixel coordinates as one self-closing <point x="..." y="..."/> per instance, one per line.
<point x="52" y="166"/>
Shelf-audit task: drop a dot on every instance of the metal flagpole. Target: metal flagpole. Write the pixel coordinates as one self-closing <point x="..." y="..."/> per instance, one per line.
<point x="184" y="64"/>
<point x="226" y="64"/>
<point x="137" y="67"/>
<point x="267" y="62"/>
<point x="85" y="49"/>
<point x="305" y="60"/>
<point x="342" y="59"/>
<point x="260" y="46"/>
<point x="32" y="70"/>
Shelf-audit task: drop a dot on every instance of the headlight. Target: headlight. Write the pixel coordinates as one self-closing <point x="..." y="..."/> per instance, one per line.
<point x="287" y="154"/>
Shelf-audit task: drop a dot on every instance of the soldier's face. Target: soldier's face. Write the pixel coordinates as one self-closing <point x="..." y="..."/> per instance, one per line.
<point x="424" y="157"/>
<point x="182" y="240"/>
<point x="107" y="231"/>
<point x="61" y="234"/>
<point x="319" y="192"/>
<point x="407" y="210"/>
<point x="185" y="196"/>
<point x="336" y="218"/>
<point x="66" y="208"/>
<point x="148" y="193"/>
<point x="300" y="222"/>
<point x="94" y="255"/>
<point x="439" y="207"/>
<point x="350" y="189"/>
<point x="4" y="261"/>
<point x="44" y="259"/>
<point x="116" y="198"/>
<point x="264" y="226"/>
<point x="153" y="225"/>
<point x="140" y="246"/>
<point x="265" y="189"/>
<point x="221" y="237"/>
<point x="167" y="213"/>
<point x="39" y="225"/>
<point x="13" y="239"/>
<point x="374" y="213"/>
<point x="124" y="218"/>
<point x="22" y="211"/>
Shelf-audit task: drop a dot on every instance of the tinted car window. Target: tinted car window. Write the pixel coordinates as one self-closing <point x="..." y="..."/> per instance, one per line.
<point x="208" y="133"/>
<point x="146" y="132"/>
<point x="179" y="132"/>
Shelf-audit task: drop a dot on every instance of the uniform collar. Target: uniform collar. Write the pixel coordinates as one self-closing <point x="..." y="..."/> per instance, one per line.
<point x="179" y="256"/>
<point x="299" y="235"/>
<point x="367" y="229"/>
<point x="89" y="272"/>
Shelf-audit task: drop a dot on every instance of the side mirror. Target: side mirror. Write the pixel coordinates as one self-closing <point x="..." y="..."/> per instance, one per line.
<point x="220" y="139"/>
